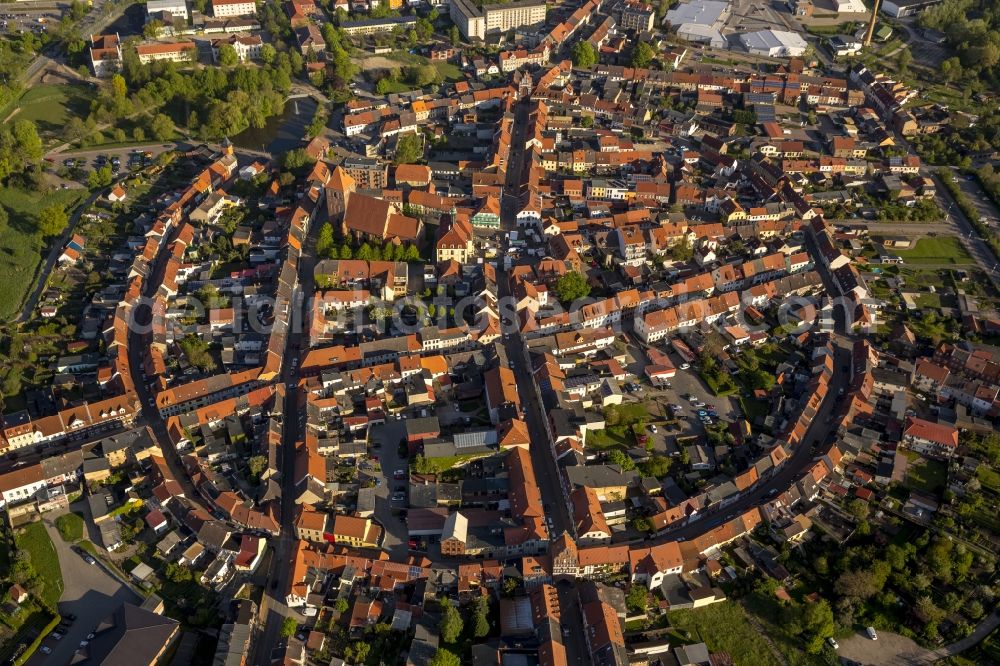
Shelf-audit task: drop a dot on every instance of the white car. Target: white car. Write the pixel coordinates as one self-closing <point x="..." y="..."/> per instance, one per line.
<point x="652" y="428"/>
<point x="871" y="633"/>
<point x="834" y="644"/>
<point x="685" y="366"/>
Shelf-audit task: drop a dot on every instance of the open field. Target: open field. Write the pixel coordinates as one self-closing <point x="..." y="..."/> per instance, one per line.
<point x="925" y="474"/>
<point x="724" y="627"/>
<point x="51" y="106"/>
<point x="938" y="250"/>
<point x="20" y="247"/>
<point x="36" y="541"/>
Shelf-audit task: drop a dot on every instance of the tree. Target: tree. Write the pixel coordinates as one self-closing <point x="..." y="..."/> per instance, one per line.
<point x="454" y="35"/>
<point x="288" y="627"/>
<point x="858" y="508"/>
<point x="196" y="351"/>
<point x="409" y="149"/>
<point x="357" y="652"/>
<point x="903" y="60"/>
<point x="584" y="55"/>
<point x="637" y="598"/>
<point x="572" y="286"/>
<point x="161" y="126"/>
<point x="643" y="55"/>
<point x="267" y="54"/>
<point x="861" y="583"/>
<point x="681" y="251"/>
<point x="641" y="524"/>
<point x="257" y="465"/>
<point x="951" y="69"/>
<point x="52" y="220"/>
<point x="445" y="658"/>
<point x="657" y="466"/>
<point x="324" y="244"/>
<point x="480" y="618"/>
<point x="620" y="458"/>
<point x="341" y="605"/>
<point x="152" y="29"/>
<point x="227" y="55"/>
<point x="587" y="121"/>
<point x="817" y="624"/>
<point x="451" y="623"/>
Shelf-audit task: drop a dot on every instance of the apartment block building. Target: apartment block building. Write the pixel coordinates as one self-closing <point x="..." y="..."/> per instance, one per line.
<point x="476" y="21"/>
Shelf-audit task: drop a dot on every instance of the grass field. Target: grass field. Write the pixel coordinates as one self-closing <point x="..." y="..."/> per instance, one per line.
<point x="989" y="478"/>
<point x="725" y="627"/>
<point x="36" y="541"/>
<point x="20" y="246"/>
<point x="51" y="106"/>
<point x="938" y="250"/>
<point x="925" y="474"/>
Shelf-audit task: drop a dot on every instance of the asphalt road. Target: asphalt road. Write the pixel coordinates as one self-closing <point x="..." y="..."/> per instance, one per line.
<point x="273" y="609"/>
<point x="89" y="592"/>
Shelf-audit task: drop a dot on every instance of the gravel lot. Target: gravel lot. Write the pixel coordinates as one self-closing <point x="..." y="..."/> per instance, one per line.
<point x="889" y="650"/>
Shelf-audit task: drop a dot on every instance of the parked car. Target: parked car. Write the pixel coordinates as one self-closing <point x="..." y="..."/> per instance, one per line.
<point x="685" y="366"/>
<point x="833" y="643"/>
<point x="871" y="633"/>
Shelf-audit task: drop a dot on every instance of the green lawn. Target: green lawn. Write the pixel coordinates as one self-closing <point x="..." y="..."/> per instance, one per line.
<point x="989" y="478"/>
<point x="724" y="627"/>
<point x="937" y="250"/>
<point x="34" y="539"/>
<point x="925" y="474"/>
<point x="20" y="247"/>
<point x="70" y="526"/>
<point x="51" y="106"/>
<point x="449" y="72"/>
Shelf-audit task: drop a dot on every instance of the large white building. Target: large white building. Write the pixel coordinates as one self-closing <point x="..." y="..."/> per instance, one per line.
<point x="224" y="8"/>
<point x="475" y="22"/>
<point x="176" y="8"/>
<point x="774" y="43"/>
<point x="105" y="54"/>
<point x="850" y="7"/>
<point x="700" y="21"/>
<point x="904" y="8"/>
<point x="173" y="51"/>
<point x="247" y="47"/>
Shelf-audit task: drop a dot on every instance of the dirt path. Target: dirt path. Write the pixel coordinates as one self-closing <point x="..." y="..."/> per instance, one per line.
<point x="767" y="639"/>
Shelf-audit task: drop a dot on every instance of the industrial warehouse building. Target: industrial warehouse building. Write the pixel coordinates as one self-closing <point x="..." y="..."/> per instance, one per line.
<point x="774" y="43"/>
<point x="700" y="21"/>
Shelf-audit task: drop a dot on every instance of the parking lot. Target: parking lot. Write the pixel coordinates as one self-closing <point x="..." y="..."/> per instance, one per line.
<point x="977" y="197"/>
<point x="89" y="593"/>
<point x="685" y="383"/>
<point x="387" y="436"/>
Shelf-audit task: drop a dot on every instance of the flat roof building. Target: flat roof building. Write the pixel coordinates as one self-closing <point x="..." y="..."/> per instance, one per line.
<point x="774" y="43"/>
<point x="476" y="21"/>
<point x="904" y="8"/>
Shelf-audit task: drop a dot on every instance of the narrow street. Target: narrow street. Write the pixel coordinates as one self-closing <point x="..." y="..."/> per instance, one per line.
<point x="272" y="608"/>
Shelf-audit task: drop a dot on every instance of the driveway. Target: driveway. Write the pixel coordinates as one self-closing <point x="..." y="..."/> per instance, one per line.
<point x="89" y="593"/>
